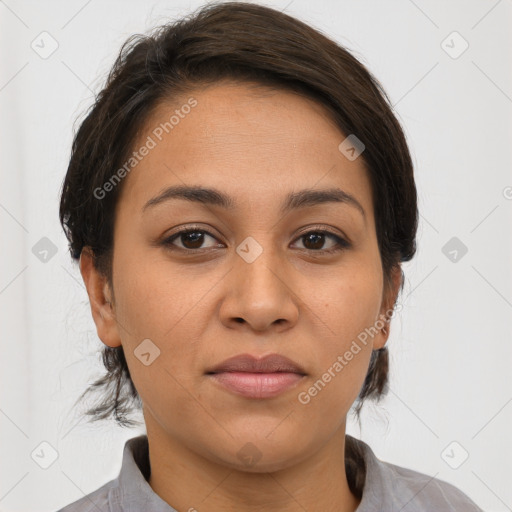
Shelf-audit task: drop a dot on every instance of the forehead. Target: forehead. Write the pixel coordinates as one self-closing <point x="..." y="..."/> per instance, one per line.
<point x="252" y="142"/>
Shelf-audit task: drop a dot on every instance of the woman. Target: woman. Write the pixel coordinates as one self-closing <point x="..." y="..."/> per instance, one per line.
<point x="240" y="199"/>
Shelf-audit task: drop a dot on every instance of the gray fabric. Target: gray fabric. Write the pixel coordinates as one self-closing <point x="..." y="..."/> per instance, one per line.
<point x="388" y="488"/>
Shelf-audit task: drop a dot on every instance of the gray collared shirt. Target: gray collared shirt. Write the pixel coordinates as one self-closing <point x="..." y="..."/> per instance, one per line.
<point x="387" y="488"/>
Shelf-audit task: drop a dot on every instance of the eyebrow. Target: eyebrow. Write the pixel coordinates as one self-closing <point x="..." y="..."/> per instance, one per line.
<point x="293" y="201"/>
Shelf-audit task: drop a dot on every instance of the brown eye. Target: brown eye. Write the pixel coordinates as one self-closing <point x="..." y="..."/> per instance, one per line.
<point x="315" y="240"/>
<point x="191" y="239"/>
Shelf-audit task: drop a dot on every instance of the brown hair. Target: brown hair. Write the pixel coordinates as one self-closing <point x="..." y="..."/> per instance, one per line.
<point x="246" y="43"/>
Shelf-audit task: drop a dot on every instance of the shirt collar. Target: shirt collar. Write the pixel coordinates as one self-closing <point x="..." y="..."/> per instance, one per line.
<point x="133" y="492"/>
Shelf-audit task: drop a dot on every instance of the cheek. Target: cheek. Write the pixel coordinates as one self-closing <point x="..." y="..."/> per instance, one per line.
<point x="152" y="300"/>
<point x="330" y="393"/>
<point x="352" y="304"/>
<point x="153" y="310"/>
<point x="351" y="317"/>
<point x="343" y="364"/>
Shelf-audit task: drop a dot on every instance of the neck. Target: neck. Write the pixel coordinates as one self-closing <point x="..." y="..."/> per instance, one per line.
<point x="190" y="482"/>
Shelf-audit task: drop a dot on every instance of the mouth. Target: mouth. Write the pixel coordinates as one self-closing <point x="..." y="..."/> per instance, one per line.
<point x="247" y="376"/>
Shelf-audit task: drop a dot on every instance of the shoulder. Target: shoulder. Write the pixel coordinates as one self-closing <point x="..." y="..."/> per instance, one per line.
<point x="130" y="490"/>
<point x="97" y="501"/>
<point x="394" y="488"/>
<point x="422" y="492"/>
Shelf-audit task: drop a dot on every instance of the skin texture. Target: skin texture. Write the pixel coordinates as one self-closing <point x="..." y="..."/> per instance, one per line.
<point x="256" y="145"/>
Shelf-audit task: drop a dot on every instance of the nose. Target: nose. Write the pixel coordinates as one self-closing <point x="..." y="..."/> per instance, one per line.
<point x="259" y="291"/>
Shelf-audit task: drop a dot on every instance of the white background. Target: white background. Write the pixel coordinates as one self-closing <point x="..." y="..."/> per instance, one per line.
<point x="451" y="350"/>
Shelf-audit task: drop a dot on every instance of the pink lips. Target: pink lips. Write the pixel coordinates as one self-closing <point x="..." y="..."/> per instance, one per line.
<point x="257" y="378"/>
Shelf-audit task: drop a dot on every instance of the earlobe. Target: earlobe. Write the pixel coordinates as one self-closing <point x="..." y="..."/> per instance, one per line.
<point x="380" y="339"/>
<point x="388" y="304"/>
<point x="100" y="300"/>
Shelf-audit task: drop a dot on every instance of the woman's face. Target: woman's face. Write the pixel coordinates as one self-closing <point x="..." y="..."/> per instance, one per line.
<point x="254" y="284"/>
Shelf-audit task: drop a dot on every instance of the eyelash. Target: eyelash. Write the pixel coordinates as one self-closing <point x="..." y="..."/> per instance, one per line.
<point x="342" y="244"/>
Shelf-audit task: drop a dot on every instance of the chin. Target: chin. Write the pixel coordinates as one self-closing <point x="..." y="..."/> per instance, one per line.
<point x="257" y="454"/>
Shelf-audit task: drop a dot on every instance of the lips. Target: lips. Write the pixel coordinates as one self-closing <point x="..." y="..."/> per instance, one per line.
<point x="250" y="377"/>
<point x="272" y="363"/>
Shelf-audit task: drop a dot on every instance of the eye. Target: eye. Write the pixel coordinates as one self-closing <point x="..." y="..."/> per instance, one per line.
<point x="192" y="239"/>
<point x="313" y="239"/>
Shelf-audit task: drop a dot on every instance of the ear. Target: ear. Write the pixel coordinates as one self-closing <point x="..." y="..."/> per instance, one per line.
<point x="390" y="294"/>
<point x="100" y="298"/>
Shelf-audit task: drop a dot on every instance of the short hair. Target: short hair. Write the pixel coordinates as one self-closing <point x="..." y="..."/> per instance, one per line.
<point x="244" y="43"/>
